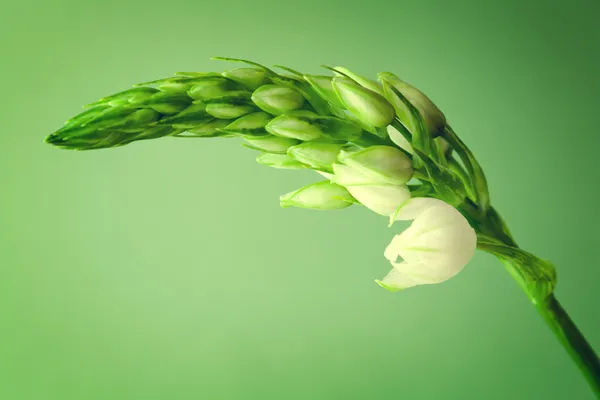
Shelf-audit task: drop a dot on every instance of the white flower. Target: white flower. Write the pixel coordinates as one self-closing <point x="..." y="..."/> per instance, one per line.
<point x="438" y="245"/>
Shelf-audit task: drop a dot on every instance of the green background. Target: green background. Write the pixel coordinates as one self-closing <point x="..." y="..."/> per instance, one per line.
<point x="167" y="270"/>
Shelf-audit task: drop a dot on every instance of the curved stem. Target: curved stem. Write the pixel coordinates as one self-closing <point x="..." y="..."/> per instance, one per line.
<point x="552" y="312"/>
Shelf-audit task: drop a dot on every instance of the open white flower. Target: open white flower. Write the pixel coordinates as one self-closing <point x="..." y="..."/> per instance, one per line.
<point x="437" y="246"/>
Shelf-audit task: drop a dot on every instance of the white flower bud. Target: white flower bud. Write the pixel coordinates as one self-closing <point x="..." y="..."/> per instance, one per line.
<point x="382" y="199"/>
<point x="438" y="245"/>
<point x="383" y="164"/>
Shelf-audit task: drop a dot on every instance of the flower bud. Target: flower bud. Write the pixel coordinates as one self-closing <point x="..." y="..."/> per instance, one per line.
<point x="319" y="155"/>
<point x="136" y="121"/>
<point x="382" y="199"/>
<point x="270" y="143"/>
<point x="323" y="86"/>
<point x="438" y="245"/>
<point x="210" y="128"/>
<point x="163" y="102"/>
<point x="191" y="117"/>
<point x="369" y="107"/>
<point x="276" y="99"/>
<point x="384" y="165"/>
<point x="212" y="88"/>
<point x="361" y="80"/>
<point x="134" y="94"/>
<point x="434" y="119"/>
<point x="251" y="78"/>
<point x="250" y="124"/>
<point x="319" y="196"/>
<point x="306" y="125"/>
<point x="228" y="110"/>
<point x="293" y="126"/>
<point x="281" y="161"/>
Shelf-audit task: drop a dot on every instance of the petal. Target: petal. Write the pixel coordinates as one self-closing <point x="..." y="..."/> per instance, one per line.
<point x="381" y="199"/>
<point x="397" y="280"/>
<point x="399" y="139"/>
<point x="325" y="174"/>
<point x="391" y="252"/>
<point x="413" y="208"/>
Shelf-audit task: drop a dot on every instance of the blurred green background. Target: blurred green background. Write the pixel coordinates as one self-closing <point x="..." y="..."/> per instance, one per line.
<point x="166" y="269"/>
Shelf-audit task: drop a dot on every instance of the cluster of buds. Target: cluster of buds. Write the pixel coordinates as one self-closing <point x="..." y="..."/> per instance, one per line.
<point x="384" y="145"/>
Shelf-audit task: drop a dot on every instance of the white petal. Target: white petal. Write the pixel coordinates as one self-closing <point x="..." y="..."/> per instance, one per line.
<point x="414" y="207"/>
<point x="383" y="200"/>
<point x="397" y="280"/>
<point x="399" y="139"/>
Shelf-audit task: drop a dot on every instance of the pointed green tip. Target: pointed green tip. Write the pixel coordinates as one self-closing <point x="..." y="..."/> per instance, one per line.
<point x="387" y="287"/>
<point x="53" y="138"/>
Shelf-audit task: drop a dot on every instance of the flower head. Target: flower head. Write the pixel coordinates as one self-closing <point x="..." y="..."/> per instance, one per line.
<point x="437" y="246"/>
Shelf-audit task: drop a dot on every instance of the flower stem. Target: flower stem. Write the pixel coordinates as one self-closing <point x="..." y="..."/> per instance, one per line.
<point x="552" y="312"/>
<point x="573" y="341"/>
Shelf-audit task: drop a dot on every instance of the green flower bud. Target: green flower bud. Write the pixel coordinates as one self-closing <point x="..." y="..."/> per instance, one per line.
<point x="306" y="125"/>
<point x="366" y="105"/>
<point x="109" y="117"/>
<point x="383" y="164"/>
<point x="293" y="126"/>
<point x="319" y="155"/>
<point x="276" y="99"/>
<point x="281" y="161"/>
<point x="133" y="94"/>
<point x="270" y="143"/>
<point x="251" y="78"/>
<point x="433" y="117"/>
<point x="151" y="133"/>
<point x="323" y="86"/>
<point x="191" y="117"/>
<point x="228" y="110"/>
<point x="213" y="88"/>
<point x="318" y="196"/>
<point x="211" y="128"/>
<point x="250" y="124"/>
<point x="136" y="121"/>
<point x="163" y="102"/>
<point x="361" y="80"/>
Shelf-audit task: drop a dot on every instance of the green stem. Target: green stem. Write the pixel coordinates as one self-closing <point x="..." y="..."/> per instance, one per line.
<point x="554" y="315"/>
<point x="573" y="341"/>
